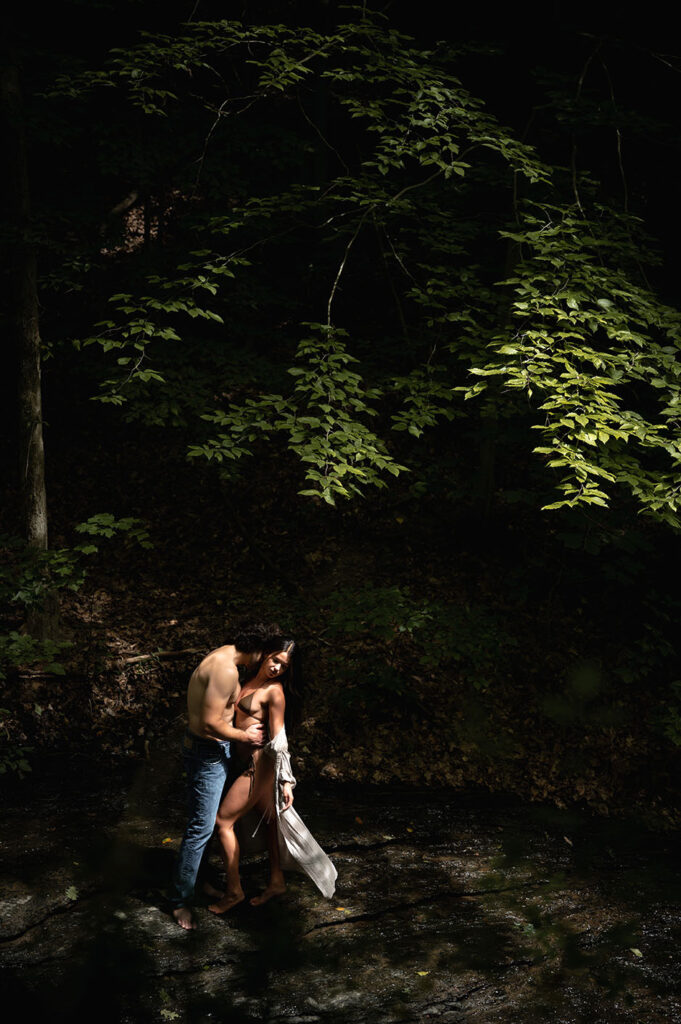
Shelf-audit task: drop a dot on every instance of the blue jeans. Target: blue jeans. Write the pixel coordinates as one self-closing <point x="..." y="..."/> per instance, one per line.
<point x="206" y="763"/>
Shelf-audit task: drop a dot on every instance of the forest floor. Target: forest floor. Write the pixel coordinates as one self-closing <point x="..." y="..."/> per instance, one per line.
<point x="449" y="907"/>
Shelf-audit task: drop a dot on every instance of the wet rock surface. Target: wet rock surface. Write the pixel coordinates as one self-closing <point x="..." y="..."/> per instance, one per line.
<point x="449" y="908"/>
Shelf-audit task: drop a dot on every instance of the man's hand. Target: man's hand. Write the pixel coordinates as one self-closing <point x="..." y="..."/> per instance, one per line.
<point x="255" y="734"/>
<point x="287" y="793"/>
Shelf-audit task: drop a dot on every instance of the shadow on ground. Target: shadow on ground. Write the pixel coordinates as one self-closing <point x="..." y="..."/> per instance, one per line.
<point x="449" y="906"/>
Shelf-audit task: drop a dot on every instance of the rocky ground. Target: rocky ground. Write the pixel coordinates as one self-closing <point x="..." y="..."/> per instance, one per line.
<point x="450" y="907"/>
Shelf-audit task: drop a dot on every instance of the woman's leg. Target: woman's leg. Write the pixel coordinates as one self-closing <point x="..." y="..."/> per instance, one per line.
<point x="237" y="800"/>
<point x="250" y="790"/>
<point x="276" y="885"/>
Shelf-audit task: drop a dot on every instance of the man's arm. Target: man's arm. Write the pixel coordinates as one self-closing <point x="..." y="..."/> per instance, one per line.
<point x="221" y="689"/>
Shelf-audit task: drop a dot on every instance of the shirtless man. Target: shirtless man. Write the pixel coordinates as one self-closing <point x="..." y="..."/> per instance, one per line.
<point x="211" y="698"/>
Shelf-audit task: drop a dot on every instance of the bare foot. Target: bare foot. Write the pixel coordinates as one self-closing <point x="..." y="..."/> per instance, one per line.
<point x="210" y="890"/>
<point x="273" y="889"/>
<point x="184" y="918"/>
<point x="229" y="900"/>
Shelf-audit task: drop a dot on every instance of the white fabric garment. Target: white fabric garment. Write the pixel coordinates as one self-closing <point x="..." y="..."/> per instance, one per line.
<point x="298" y="850"/>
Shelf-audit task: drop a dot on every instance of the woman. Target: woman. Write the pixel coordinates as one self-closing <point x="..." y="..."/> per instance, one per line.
<point x="266" y="785"/>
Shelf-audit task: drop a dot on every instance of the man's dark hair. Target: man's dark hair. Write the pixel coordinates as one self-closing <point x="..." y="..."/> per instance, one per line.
<point x="249" y="637"/>
<point x="267" y="638"/>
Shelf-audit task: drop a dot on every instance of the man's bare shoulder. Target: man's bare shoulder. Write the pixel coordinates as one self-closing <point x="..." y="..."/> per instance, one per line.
<point x="219" y="658"/>
<point x="218" y="666"/>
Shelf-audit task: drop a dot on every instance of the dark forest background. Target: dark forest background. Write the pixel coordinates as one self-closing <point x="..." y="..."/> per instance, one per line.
<point x="307" y="286"/>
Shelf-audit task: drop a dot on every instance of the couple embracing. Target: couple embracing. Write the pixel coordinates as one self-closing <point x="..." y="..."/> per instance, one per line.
<point x="237" y="762"/>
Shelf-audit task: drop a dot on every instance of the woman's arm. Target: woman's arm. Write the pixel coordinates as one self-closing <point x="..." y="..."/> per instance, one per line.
<point x="276" y="706"/>
<point x="276" y="702"/>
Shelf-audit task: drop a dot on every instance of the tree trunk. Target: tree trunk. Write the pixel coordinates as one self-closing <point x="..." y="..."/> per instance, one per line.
<point x="25" y="325"/>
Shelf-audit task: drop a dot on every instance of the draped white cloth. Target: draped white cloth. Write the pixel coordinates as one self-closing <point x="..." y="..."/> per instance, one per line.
<point x="298" y="849"/>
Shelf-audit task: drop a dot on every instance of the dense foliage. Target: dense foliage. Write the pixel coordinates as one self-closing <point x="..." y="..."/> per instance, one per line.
<point x="334" y="280"/>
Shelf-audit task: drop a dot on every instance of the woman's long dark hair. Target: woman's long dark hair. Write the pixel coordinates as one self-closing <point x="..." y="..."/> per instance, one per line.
<point x="291" y="679"/>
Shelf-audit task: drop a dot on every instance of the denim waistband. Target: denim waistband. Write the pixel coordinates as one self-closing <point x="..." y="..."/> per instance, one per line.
<point x="197" y="743"/>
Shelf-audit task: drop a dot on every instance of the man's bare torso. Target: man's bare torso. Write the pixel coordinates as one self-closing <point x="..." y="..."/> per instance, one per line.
<point x="214" y="684"/>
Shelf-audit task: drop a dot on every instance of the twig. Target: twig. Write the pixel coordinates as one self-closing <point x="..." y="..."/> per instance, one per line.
<point x="573" y="159"/>
<point x="417" y="184"/>
<point x="159" y="655"/>
<point x="618" y="135"/>
<point x="320" y="134"/>
<point x="342" y="264"/>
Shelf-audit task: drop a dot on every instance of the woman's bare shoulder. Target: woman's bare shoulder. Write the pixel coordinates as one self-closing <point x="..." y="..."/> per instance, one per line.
<point x="273" y="692"/>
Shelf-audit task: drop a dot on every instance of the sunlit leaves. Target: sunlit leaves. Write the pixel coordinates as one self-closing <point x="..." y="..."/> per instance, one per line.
<point x="322" y="420"/>
<point x="571" y="331"/>
<point x="140" y="323"/>
<point x="105" y="525"/>
<point x="598" y="355"/>
<point x="427" y="398"/>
